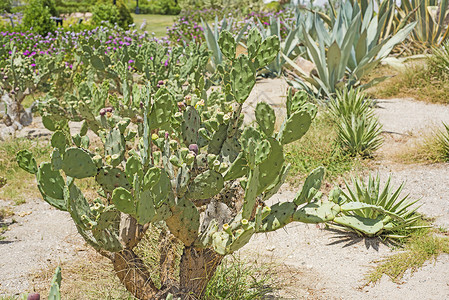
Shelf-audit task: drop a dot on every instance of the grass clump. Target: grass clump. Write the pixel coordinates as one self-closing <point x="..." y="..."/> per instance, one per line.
<point x="318" y="147"/>
<point x="423" y="245"/>
<point x="20" y="184"/>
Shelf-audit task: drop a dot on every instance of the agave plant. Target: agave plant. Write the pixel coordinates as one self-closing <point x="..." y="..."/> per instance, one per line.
<point x="430" y="16"/>
<point x="376" y="211"/>
<point x="350" y="102"/>
<point x="345" y="52"/>
<point x="359" y="135"/>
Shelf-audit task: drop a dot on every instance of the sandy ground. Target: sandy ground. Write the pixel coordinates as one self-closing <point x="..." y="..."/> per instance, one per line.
<point x="327" y="264"/>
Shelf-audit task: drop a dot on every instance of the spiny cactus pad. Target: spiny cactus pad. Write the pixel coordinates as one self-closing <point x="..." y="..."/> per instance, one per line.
<point x="295" y="127"/>
<point x="190" y="126"/>
<point x="51" y="185"/>
<point x="227" y="45"/>
<point x="266" y="118"/>
<point x="77" y="163"/>
<point x="26" y="161"/>
<point x="205" y="185"/>
<point x="243" y="78"/>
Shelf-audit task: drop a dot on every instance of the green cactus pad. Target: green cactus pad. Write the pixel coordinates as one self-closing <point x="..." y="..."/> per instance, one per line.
<point x="242" y="239"/>
<point x="151" y="178"/>
<point x="108" y="218"/>
<point x="219" y="137"/>
<point x="77" y="163"/>
<point x="124" y="201"/>
<point x="97" y="63"/>
<point x="58" y="141"/>
<point x="182" y="180"/>
<point x="249" y="201"/>
<point x="311" y="186"/>
<point x="317" y="212"/>
<point x="227" y="44"/>
<point x="56" y="159"/>
<point x="206" y="185"/>
<point x="162" y="189"/>
<point x="243" y="78"/>
<point x="145" y="207"/>
<point x="239" y="168"/>
<point x="115" y="146"/>
<point x="161" y="111"/>
<point x="230" y="149"/>
<point x="77" y="205"/>
<point x="271" y="167"/>
<point x="281" y="214"/>
<point x="133" y="166"/>
<point x="190" y="126"/>
<point x="84" y="128"/>
<point x="253" y="43"/>
<point x="111" y="178"/>
<point x="51" y="185"/>
<point x="185" y="221"/>
<point x="26" y="161"/>
<point x="108" y="239"/>
<point x="274" y="188"/>
<point x="268" y="51"/>
<point x="294" y="127"/>
<point x="266" y="118"/>
<point x="295" y="102"/>
<point x="365" y="225"/>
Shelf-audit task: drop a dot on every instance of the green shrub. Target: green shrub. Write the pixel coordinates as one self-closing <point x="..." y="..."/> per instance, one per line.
<point x="5" y="5"/>
<point x="160" y="7"/>
<point x="37" y="17"/>
<point x="114" y="14"/>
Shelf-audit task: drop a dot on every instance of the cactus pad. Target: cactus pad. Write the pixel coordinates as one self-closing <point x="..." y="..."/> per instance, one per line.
<point x="250" y="194"/>
<point x="243" y="78"/>
<point x="206" y="185"/>
<point x="271" y="167"/>
<point x="311" y="186"/>
<point x="26" y="161"/>
<point x="58" y="141"/>
<point x="185" y="221"/>
<point x="268" y="51"/>
<point x="190" y="126"/>
<point x="111" y="178"/>
<point x="294" y="127"/>
<point x="266" y="118"/>
<point x="254" y="41"/>
<point x="227" y="44"/>
<point x="51" y="185"/>
<point x="124" y="201"/>
<point x="77" y="163"/>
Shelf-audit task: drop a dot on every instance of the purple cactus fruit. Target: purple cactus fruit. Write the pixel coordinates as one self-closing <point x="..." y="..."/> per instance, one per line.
<point x="141" y="104"/>
<point x="108" y="109"/>
<point x="194" y="148"/>
<point x="166" y="135"/>
<point x="160" y="82"/>
<point x="17" y="88"/>
<point x="34" y="296"/>
<point x="102" y="112"/>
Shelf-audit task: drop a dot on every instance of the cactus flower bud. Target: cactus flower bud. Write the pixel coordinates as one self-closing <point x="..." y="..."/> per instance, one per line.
<point x="244" y="222"/>
<point x="154" y="136"/>
<point x="17" y="88"/>
<point x="102" y="112"/>
<point x="194" y="148"/>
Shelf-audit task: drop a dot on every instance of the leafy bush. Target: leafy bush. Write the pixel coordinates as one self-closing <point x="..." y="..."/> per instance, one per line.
<point x="5" y="5"/>
<point x="37" y="17"/>
<point x="114" y="14"/>
<point x="160" y="7"/>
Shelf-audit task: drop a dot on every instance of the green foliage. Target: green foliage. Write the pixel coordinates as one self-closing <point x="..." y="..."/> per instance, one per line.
<point x="5" y="6"/>
<point x="114" y="14"/>
<point x="346" y="51"/>
<point x="443" y="142"/>
<point x="430" y="16"/>
<point x="37" y="17"/>
<point x="358" y="130"/>
<point x="369" y="210"/>
<point x="160" y="7"/>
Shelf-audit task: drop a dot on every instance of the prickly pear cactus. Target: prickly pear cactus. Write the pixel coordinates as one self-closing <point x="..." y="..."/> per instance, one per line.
<point x="185" y="162"/>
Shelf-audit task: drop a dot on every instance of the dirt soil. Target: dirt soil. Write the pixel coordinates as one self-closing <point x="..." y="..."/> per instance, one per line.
<point x="327" y="264"/>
